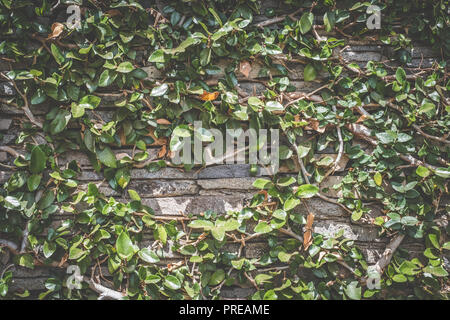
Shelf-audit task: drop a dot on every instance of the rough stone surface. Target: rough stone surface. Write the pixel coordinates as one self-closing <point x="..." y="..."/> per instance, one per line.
<point x="5" y="124"/>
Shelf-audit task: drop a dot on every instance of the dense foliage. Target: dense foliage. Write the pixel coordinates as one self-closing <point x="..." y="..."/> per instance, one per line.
<point x="401" y="112"/>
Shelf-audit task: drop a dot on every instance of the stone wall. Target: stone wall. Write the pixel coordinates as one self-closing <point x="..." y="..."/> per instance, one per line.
<point x="171" y="191"/>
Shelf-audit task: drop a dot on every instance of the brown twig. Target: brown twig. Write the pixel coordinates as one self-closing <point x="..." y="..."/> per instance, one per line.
<point x="25" y="108"/>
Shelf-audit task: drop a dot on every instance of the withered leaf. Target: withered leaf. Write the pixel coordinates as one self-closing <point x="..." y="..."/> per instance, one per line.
<point x="57" y="29"/>
<point x="209" y="96"/>
<point x="307" y="236"/>
<point x="245" y="67"/>
<point x="163" y="121"/>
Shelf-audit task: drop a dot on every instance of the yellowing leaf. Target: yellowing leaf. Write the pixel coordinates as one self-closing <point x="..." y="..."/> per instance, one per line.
<point x="209" y="96"/>
<point x="378" y="178"/>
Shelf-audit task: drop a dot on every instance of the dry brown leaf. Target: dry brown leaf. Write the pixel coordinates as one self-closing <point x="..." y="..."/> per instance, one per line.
<point x="63" y="260"/>
<point x="113" y="13"/>
<point x="209" y="96"/>
<point x="163" y="121"/>
<point x="315" y="125"/>
<point x="123" y="139"/>
<point x="57" y="29"/>
<point x="162" y="152"/>
<point x="264" y="192"/>
<point x="307" y="236"/>
<point x="245" y="67"/>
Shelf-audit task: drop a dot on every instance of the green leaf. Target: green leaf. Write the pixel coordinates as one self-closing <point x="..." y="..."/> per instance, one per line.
<point x="75" y="253"/>
<point x="279" y="214"/>
<point x="309" y="74"/>
<point x="46" y="200"/>
<point x="325" y="161"/>
<point x="60" y="122"/>
<point x="157" y="56"/>
<point x="217" y="277"/>
<point x="270" y="295"/>
<point x="262" y="184"/>
<point x="408" y="268"/>
<point x="285" y="181"/>
<point x="134" y="195"/>
<point x="148" y="255"/>
<point x="48" y="249"/>
<point x="160" y="90"/>
<point x="386" y="137"/>
<point x="124" y="246"/>
<point x="172" y="282"/>
<point x="291" y="203"/>
<point x="399" y="278"/>
<point x="238" y="264"/>
<point x="34" y="181"/>
<point x="353" y="291"/>
<point x="255" y="103"/>
<point x="38" y="97"/>
<point x="307" y="191"/>
<point x="90" y="102"/>
<point x="422" y="172"/>
<point x="273" y="106"/>
<point x="437" y="271"/>
<point x="107" y="78"/>
<point x="303" y="151"/>
<point x="161" y="234"/>
<point x="329" y="19"/>
<point x="59" y="58"/>
<point x="218" y="233"/>
<point x="77" y="110"/>
<point x="263" y="227"/>
<point x="38" y="160"/>
<point x="443" y="172"/>
<point x="306" y="22"/>
<point x="107" y="157"/>
<point x="125" y="67"/>
<point x="201" y="224"/>
<point x="26" y="260"/>
<point x="400" y="75"/>
<point x="356" y="215"/>
<point x="409" y="221"/>
<point x="427" y="107"/>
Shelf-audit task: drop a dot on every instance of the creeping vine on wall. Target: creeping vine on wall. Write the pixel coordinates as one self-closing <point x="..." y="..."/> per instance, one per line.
<point x="203" y="49"/>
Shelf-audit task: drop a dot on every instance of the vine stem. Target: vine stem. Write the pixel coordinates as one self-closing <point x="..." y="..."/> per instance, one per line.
<point x="26" y="108"/>
<point x="318" y="194"/>
<point x="388" y="253"/>
<point x="278" y="19"/>
<point x="10" y="150"/>
<point x="341" y="148"/>
<point x="10" y="245"/>
<point x="104" y="291"/>
<point x="363" y="132"/>
<point x="417" y="128"/>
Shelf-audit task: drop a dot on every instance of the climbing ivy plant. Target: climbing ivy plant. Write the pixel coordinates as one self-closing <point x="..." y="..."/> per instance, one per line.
<point x="390" y="119"/>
